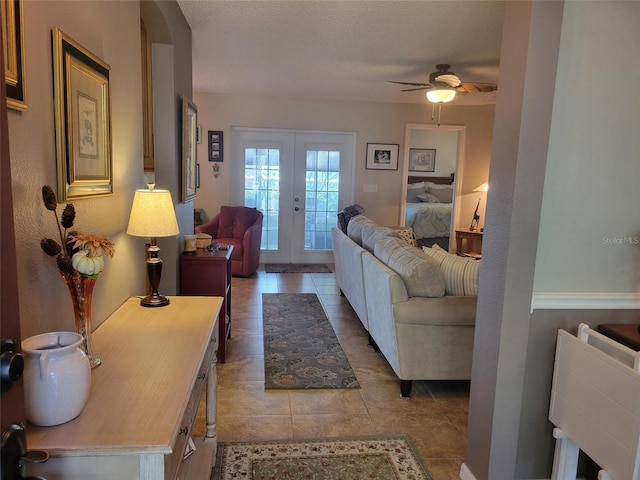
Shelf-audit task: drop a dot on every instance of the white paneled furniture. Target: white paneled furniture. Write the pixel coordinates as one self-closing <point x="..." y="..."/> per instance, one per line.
<point x="595" y="405"/>
<point x="144" y="398"/>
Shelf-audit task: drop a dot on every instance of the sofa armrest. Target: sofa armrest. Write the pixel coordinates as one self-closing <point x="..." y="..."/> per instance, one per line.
<point x="383" y="287"/>
<point x="251" y="243"/>
<point x="211" y="227"/>
<point x="347" y="261"/>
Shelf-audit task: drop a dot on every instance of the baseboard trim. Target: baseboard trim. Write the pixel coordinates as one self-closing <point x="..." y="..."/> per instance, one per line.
<point x="585" y="301"/>
<point x="465" y="473"/>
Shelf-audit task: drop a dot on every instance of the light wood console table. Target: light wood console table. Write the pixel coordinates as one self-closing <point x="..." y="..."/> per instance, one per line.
<point x="144" y="398"/>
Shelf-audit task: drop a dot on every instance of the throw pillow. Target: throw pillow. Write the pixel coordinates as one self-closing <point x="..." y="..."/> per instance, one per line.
<point x="422" y="277"/>
<point x="428" y="198"/>
<point x="443" y="193"/>
<point x="413" y="190"/>
<point x="460" y="273"/>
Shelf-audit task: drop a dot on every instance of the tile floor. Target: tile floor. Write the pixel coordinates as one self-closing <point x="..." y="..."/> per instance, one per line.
<point x="435" y="416"/>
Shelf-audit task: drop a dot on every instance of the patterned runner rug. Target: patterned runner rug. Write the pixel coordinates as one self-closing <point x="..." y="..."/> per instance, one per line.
<point x="301" y="349"/>
<point x="383" y="458"/>
<point x="296" y="268"/>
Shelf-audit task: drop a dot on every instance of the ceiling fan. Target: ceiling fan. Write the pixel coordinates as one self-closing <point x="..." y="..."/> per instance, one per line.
<point x="444" y="85"/>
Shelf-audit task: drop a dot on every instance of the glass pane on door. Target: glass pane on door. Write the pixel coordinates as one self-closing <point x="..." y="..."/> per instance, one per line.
<point x="322" y="189"/>
<point x="262" y="190"/>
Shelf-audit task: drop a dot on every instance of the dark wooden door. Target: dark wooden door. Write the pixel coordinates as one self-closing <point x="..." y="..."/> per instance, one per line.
<point x="12" y="396"/>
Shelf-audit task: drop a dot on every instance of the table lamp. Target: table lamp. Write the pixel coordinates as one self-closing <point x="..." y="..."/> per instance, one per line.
<point x="153" y="215"/>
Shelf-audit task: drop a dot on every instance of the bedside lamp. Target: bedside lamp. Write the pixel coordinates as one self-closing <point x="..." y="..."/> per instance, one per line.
<point x="153" y="215"/>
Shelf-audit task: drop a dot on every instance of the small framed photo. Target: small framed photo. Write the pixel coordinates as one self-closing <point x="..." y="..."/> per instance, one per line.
<point x="422" y="159"/>
<point x="215" y="146"/>
<point x="382" y="156"/>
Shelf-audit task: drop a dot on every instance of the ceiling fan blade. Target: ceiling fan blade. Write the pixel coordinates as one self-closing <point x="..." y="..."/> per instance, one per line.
<point x="426" y="87"/>
<point x="410" y="83"/>
<point x="471" y="87"/>
<point x="450" y="79"/>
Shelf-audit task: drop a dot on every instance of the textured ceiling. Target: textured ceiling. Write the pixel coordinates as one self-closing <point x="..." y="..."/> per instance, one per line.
<point x="342" y="50"/>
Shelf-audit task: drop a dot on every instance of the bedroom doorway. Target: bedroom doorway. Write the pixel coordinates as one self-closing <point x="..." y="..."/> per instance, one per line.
<point x="298" y="179"/>
<point x="432" y="171"/>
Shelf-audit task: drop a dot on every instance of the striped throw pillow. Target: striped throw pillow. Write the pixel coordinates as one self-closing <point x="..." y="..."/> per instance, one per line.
<point x="460" y="273"/>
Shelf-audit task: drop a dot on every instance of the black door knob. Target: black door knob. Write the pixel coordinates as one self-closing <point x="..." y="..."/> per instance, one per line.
<point x="11" y="363"/>
<point x="13" y="442"/>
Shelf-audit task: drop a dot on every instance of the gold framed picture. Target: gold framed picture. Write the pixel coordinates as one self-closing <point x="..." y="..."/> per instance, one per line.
<point x="13" y="46"/>
<point x="82" y="101"/>
<point x="189" y="140"/>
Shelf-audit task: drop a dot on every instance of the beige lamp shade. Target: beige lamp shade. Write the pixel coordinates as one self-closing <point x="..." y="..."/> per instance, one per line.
<point x="152" y="214"/>
<point x="482" y="188"/>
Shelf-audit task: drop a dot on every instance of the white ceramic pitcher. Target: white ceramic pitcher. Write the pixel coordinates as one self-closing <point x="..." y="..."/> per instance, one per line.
<point x="57" y="377"/>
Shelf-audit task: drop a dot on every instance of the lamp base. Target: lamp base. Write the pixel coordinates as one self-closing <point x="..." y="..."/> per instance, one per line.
<point x="154" y="300"/>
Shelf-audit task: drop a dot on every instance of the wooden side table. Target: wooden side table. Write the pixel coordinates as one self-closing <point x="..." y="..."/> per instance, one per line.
<point x="468" y="241"/>
<point x="209" y="273"/>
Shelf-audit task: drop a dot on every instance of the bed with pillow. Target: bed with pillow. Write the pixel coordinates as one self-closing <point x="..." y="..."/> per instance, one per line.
<point x="428" y="209"/>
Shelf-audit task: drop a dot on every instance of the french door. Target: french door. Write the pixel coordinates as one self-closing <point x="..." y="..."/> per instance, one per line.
<point x="299" y="180"/>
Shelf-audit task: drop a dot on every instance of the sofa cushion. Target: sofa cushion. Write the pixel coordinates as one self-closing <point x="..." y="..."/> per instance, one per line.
<point x="371" y="233"/>
<point x="234" y="221"/>
<point x="460" y="273"/>
<point x="354" y="228"/>
<point x="422" y="276"/>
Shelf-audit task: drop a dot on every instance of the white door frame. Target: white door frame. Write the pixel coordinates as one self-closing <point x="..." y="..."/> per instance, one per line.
<point x="461" y="129"/>
<point x="280" y="138"/>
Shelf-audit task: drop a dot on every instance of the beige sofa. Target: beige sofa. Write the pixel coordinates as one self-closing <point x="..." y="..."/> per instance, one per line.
<point x="420" y="305"/>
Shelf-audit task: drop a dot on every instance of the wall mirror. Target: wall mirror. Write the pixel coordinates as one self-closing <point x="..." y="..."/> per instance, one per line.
<point x="432" y="170"/>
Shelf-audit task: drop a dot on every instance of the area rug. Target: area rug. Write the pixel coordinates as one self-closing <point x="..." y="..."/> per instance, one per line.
<point x="296" y="268"/>
<point x="301" y="349"/>
<point x="382" y="457"/>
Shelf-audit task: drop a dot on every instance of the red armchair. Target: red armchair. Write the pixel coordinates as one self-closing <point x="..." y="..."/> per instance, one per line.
<point x="241" y="227"/>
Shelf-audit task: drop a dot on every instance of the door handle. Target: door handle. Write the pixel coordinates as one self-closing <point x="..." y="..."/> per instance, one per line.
<point x="14" y="453"/>
<point x="297" y="209"/>
<point x="11" y="363"/>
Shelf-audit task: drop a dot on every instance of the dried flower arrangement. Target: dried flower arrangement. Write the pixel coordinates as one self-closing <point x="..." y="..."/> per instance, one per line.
<point x="76" y="251"/>
<point x="80" y="259"/>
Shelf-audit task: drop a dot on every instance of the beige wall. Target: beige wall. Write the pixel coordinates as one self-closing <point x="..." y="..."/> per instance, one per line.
<point x="372" y="122"/>
<point x="111" y="31"/>
<point x="564" y="166"/>
<point x="590" y="233"/>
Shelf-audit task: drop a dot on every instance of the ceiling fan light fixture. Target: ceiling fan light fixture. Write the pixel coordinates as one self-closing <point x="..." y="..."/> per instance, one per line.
<point x="441" y="95"/>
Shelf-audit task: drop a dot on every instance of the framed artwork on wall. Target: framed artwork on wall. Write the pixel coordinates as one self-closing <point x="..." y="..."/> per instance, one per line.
<point x="82" y="105"/>
<point x="13" y="49"/>
<point x="422" y="160"/>
<point x="382" y="156"/>
<point x="189" y="139"/>
<point x="215" y="146"/>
